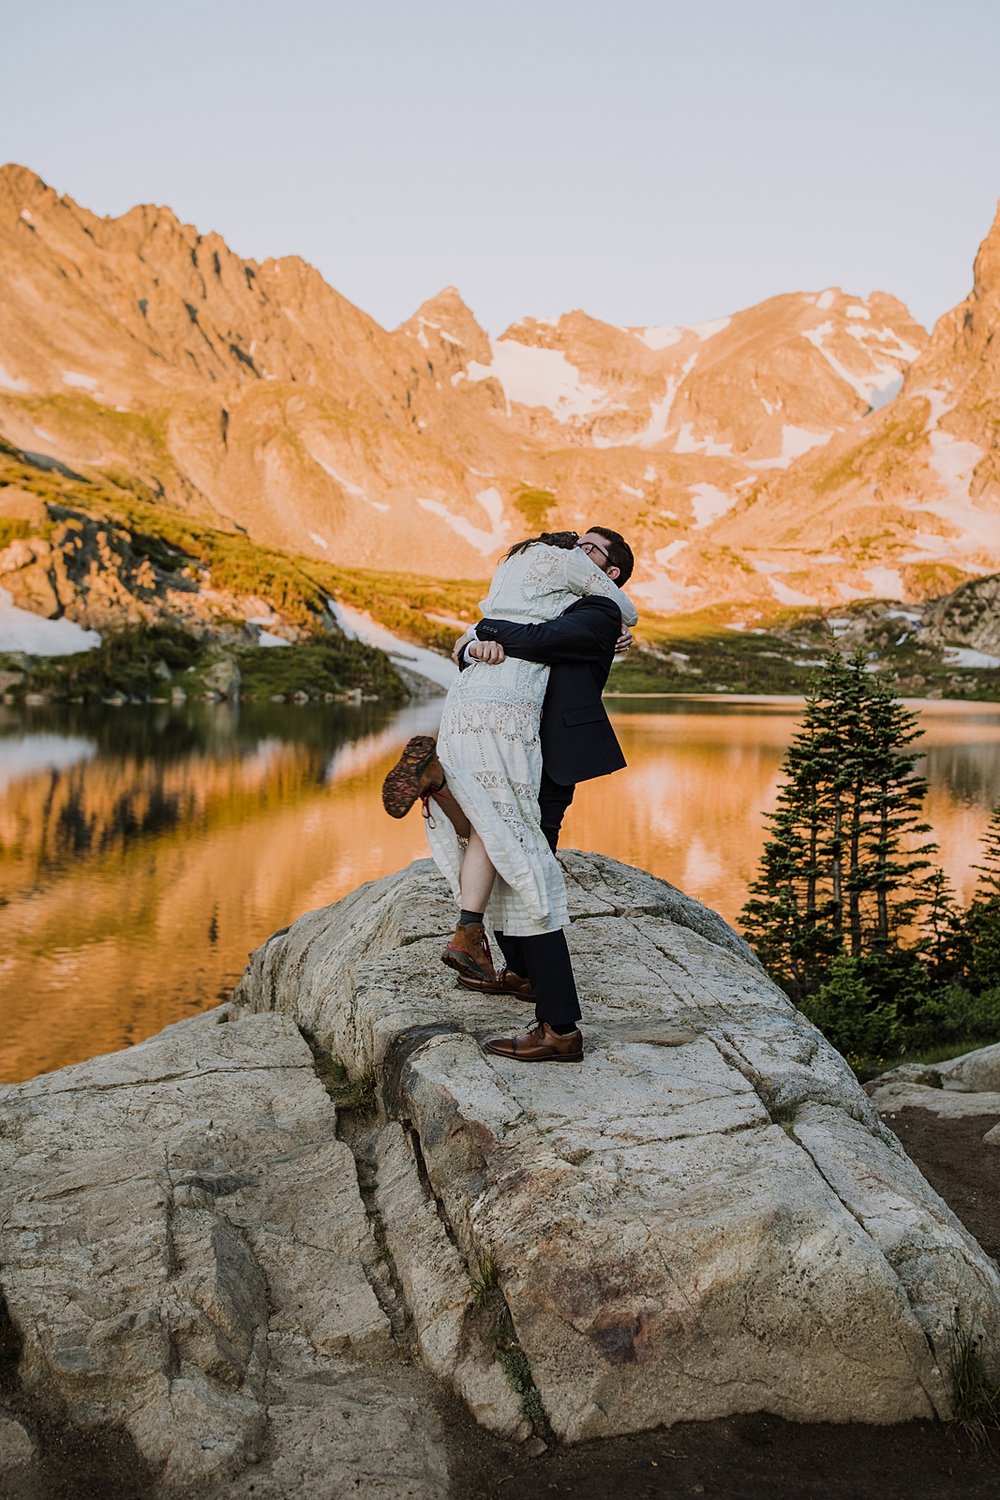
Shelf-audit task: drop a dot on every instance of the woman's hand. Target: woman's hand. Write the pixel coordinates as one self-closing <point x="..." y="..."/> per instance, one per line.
<point x="460" y="645"/>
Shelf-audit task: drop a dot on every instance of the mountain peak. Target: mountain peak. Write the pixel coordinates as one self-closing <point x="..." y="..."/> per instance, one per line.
<point x="446" y="316"/>
<point x="986" y="284"/>
<point x="20" y="186"/>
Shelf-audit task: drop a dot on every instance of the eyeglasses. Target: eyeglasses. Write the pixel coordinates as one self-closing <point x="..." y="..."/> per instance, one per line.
<point x="591" y="547"/>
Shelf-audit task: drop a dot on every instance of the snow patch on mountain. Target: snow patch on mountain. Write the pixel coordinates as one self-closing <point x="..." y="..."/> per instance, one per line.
<point x="798" y="440"/>
<point x="659" y="338"/>
<point x="664" y="554"/>
<point x="659" y="413"/>
<point x="485" y="542"/>
<point x="541" y="377"/>
<point x="20" y="630"/>
<point x="84" y="382"/>
<point x="954" y="462"/>
<point x="10" y="382"/>
<point x="359" y="626"/>
<point x="885" y="583"/>
<point x="703" y="331"/>
<point x="688" y="443"/>
<point x="786" y="595"/>
<point x="966" y="656"/>
<point x="346" y="485"/>
<point x="868" y="386"/>
<point x="708" y="504"/>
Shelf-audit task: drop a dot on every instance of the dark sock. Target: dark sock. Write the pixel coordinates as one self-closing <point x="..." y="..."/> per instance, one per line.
<point x="562" y="1028"/>
<point x="470" y="918"/>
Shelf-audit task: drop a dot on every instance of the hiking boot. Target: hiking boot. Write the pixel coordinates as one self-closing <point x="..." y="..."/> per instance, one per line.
<point x="506" y="983"/>
<point x="417" y="773"/>
<point x="469" y="953"/>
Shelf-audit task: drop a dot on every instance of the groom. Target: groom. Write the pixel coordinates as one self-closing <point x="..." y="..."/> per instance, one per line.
<point x="578" y="743"/>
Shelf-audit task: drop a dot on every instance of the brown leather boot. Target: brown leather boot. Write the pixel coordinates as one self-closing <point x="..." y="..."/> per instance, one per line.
<point x="506" y="983"/>
<point x="416" y="773"/>
<point x="419" y="773"/>
<point x="539" y="1044"/>
<point x="469" y="953"/>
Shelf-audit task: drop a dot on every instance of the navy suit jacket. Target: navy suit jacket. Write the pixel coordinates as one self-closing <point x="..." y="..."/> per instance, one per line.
<point x="578" y="741"/>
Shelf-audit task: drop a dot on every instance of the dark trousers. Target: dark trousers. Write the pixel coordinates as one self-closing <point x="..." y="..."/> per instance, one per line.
<point x="545" y="959"/>
<point x="553" y="801"/>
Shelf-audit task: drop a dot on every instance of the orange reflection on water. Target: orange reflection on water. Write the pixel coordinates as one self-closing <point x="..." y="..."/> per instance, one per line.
<point x="136" y="877"/>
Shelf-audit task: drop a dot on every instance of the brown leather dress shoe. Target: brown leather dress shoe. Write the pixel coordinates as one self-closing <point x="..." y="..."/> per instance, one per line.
<point x="540" y="1044"/>
<point x="416" y="772"/>
<point x="469" y="953"/>
<point x="506" y="983"/>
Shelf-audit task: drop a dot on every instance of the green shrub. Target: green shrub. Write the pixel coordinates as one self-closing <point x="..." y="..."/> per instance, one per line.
<point x="534" y="505"/>
<point x="11" y="530"/>
<point x="135" y="662"/>
<point x="887" y="1008"/>
<point x="975" y="1382"/>
<point x="849" y="1014"/>
<point x="328" y="666"/>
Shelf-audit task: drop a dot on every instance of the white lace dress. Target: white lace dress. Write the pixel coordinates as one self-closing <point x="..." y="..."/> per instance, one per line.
<point x="489" y="747"/>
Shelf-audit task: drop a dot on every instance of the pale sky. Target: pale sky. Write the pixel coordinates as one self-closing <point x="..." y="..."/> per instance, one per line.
<point x="650" y="161"/>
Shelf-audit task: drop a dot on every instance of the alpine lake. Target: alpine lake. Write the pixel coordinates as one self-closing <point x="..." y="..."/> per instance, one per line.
<point x="145" y="851"/>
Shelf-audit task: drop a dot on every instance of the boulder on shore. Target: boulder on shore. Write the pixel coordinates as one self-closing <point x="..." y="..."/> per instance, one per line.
<point x="266" y="1294"/>
<point x="966" y="1087"/>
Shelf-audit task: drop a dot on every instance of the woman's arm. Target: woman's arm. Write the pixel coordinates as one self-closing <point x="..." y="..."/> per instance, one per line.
<point x="585" y="577"/>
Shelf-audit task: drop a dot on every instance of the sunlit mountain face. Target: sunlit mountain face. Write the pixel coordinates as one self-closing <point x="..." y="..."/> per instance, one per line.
<point x="817" y="448"/>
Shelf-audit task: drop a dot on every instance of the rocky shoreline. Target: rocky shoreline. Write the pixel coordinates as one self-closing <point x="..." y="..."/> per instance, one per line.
<point x="314" y="1240"/>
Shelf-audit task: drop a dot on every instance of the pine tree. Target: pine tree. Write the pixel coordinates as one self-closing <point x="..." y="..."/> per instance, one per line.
<point x="944" y="944"/>
<point x="844" y="871"/>
<point x="988" y="885"/>
<point x="982" y="920"/>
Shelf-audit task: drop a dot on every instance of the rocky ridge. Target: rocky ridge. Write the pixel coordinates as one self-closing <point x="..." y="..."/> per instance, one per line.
<point x="263" y="1288"/>
<point x="252" y="395"/>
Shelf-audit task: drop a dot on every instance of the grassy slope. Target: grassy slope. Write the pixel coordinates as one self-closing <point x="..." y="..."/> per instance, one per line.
<point x="693" y="653"/>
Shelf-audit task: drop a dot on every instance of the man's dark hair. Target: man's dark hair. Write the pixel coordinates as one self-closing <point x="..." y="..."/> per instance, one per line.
<point x="619" y="553"/>
<point x="565" y="539"/>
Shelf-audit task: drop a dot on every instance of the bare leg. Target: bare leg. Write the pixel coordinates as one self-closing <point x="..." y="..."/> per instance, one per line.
<point x="442" y="796"/>
<point x="469" y="952"/>
<point x="478" y="875"/>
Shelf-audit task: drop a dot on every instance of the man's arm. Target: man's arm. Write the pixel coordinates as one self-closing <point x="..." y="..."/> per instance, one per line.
<point x="587" y="631"/>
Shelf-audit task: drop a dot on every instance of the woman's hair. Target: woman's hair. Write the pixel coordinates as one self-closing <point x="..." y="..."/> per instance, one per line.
<point x="565" y="539"/>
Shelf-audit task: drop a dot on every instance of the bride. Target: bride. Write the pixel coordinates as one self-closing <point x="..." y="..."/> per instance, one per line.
<point x="487" y="768"/>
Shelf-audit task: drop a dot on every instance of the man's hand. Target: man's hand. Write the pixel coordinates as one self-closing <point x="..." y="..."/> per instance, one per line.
<point x="624" y="642"/>
<point x="490" y="652"/>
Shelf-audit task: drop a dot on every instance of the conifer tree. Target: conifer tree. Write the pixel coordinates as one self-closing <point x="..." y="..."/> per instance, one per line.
<point x="844" y="871"/>
<point x="988" y="885"/>
<point x="982" y="920"/>
<point x="944" y="943"/>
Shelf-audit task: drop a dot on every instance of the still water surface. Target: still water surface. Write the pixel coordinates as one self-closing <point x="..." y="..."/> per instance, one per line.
<point x="145" y="852"/>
